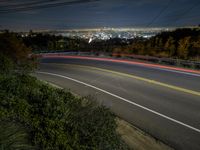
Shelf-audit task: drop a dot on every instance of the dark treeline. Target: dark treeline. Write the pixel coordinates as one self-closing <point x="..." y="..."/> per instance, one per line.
<point x="181" y="43"/>
<point x="40" y="42"/>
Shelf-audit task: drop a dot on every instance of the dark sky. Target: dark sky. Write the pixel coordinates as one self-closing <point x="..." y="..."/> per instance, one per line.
<point x="68" y="14"/>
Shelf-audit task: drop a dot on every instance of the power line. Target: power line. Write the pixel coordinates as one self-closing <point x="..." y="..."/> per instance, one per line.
<point x="10" y="6"/>
<point x="47" y="5"/>
<point x="187" y="11"/>
<point x="176" y="17"/>
<point x="171" y="21"/>
<point x="160" y="13"/>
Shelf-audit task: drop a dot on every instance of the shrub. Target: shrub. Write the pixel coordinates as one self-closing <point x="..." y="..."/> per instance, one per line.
<point x="14" y="136"/>
<point x="6" y="65"/>
<point x="15" y="55"/>
<point x="55" y="118"/>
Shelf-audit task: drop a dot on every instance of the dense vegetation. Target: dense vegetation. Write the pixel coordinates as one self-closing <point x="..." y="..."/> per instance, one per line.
<point x="14" y="55"/>
<point x="34" y="115"/>
<point x="55" y="119"/>
<point x="181" y="43"/>
<point x="51" y="43"/>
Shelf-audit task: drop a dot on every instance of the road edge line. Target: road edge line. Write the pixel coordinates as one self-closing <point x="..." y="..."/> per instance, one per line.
<point x="121" y="98"/>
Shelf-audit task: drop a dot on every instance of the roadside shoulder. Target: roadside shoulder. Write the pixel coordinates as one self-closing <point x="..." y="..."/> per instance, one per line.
<point x="135" y="138"/>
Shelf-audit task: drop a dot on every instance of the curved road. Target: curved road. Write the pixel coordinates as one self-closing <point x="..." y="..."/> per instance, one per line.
<point x="161" y="101"/>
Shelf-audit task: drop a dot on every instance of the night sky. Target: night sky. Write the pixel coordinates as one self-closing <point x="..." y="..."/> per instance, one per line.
<point x="70" y="14"/>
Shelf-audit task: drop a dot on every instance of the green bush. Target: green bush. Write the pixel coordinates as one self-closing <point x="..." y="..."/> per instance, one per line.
<point x="6" y="65"/>
<point x="14" y="55"/>
<point x="14" y="136"/>
<point x="55" y="118"/>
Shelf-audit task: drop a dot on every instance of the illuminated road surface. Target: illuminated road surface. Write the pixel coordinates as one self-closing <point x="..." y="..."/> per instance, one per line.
<point x="160" y="101"/>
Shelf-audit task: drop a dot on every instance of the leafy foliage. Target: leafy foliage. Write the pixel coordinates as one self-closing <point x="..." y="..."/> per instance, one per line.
<point x="6" y="64"/>
<point x="14" y="54"/>
<point x="14" y="136"/>
<point x="55" y="118"/>
<point x="181" y="43"/>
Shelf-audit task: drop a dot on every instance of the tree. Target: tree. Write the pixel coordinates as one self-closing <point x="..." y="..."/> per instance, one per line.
<point x="170" y="46"/>
<point x="183" y="47"/>
<point x="195" y="49"/>
<point x="16" y="52"/>
<point x="6" y="65"/>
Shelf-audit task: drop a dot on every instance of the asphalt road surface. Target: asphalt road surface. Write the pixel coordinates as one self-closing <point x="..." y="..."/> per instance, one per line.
<point x="165" y="103"/>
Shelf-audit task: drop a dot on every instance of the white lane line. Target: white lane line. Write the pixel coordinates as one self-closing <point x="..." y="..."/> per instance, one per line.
<point x="176" y="71"/>
<point x="165" y="69"/>
<point x="123" y="99"/>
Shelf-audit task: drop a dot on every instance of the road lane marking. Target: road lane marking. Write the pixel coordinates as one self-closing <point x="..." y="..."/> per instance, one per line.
<point x="149" y="65"/>
<point x="123" y="99"/>
<point x="140" y="78"/>
<point x="180" y="72"/>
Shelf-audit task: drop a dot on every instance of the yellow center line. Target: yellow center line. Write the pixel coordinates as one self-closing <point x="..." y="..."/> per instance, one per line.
<point x="139" y="78"/>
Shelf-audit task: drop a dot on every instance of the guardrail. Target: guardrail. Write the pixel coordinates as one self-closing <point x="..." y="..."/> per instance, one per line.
<point x="166" y="61"/>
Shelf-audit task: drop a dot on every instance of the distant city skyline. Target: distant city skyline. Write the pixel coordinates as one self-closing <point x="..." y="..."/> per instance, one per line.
<point x="85" y="14"/>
